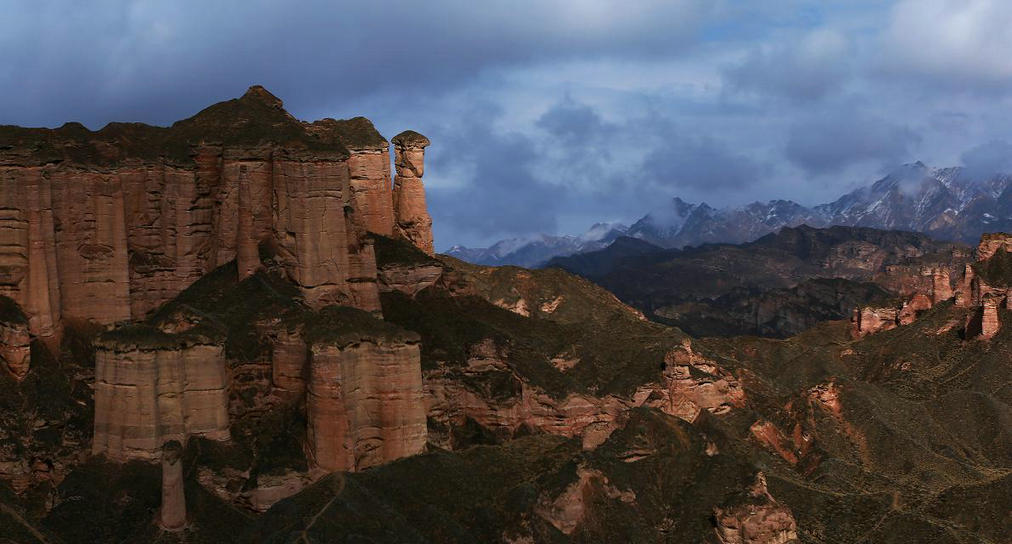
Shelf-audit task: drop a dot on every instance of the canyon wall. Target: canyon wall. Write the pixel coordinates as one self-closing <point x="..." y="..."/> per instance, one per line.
<point x="106" y="226"/>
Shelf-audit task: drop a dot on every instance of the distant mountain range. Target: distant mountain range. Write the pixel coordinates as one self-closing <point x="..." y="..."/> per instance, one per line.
<point x="945" y="203"/>
<point x="533" y="251"/>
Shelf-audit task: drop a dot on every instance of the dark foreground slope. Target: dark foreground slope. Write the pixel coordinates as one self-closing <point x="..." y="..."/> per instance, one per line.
<point x="776" y="286"/>
<point x="556" y="414"/>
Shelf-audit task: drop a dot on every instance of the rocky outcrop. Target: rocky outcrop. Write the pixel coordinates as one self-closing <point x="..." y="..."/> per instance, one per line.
<point x="409" y="279"/>
<point x="692" y="384"/>
<point x="151" y="387"/>
<point x="567" y="510"/>
<point x="411" y="216"/>
<point x="108" y="225"/>
<point x="489" y="393"/>
<point x="15" y="342"/>
<point x="172" y="513"/>
<point x="941" y="285"/>
<point x="757" y="519"/>
<point x="983" y="322"/>
<point x="364" y="402"/>
<point x="869" y="320"/>
<point x="991" y="242"/>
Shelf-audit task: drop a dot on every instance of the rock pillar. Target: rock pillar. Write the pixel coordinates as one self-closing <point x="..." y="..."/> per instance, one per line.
<point x="172" y="515"/>
<point x="411" y="216"/>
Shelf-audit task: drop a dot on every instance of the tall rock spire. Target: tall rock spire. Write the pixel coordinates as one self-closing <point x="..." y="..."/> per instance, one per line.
<point x="172" y="515"/>
<point x="411" y="217"/>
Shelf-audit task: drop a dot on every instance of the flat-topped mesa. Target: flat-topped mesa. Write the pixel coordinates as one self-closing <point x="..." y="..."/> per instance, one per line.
<point x="364" y="398"/>
<point x="108" y="225"/>
<point x="152" y="387"/>
<point x="411" y="215"/>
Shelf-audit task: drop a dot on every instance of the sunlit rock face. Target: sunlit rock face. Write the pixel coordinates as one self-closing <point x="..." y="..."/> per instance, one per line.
<point x="106" y="226"/>
<point x="151" y="387"/>
<point x="364" y="403"/>
<point x="411" y="215"/>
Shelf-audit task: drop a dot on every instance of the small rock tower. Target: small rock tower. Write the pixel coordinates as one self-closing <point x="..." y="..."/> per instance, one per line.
<point x="172" y="515"/>
<point x="411" y="217"/>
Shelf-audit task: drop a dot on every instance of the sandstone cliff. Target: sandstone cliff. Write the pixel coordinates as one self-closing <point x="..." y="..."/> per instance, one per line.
<point x="152" y="387"/>
<point x="364" y="395"/>
<point x="108" y="225"/>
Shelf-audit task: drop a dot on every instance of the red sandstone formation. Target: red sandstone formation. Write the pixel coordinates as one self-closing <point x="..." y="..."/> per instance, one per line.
<point x="364" y="401"/>
<point x="411" y="216"/>
<point x="759" y="519"/>
<point x="990" y="243"/>
<point x="108" y="225"/>
<point x="369" y="170"/>
<point x="941" y="285"/>
<point x="151" y="387"/>
<point x="693" y="384"/>
<point x="567" y="510"/>
<point x="172" y="514"/>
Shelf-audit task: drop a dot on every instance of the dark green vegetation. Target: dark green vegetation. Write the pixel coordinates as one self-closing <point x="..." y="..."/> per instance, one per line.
<point x="255" y="120"/>
<point x="997" y="270"/>
<point x="776" y="286"/>
<point x="902" y="437"/>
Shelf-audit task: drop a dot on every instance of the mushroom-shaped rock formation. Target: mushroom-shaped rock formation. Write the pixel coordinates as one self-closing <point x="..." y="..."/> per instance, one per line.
<point x="410" y="212"/>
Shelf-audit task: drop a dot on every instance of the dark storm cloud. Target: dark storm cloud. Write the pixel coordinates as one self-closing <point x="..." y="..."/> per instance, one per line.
<point x="550" y="115"/>
<point x="503" y="195"/>
<point x="828" y="144"/>
<point x="800" y="69"/>
<point x="159" y="61"/>
<point x="988" y="159"/>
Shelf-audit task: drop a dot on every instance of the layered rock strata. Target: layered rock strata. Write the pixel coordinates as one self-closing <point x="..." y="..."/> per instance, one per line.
<point x="411" y="216"/>
<point x="364" y="400"/>
<point x="108" y="225"/>
<point x="151" y="388"/>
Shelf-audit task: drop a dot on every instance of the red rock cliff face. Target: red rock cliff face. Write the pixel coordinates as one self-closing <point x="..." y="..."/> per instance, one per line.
<point x="151" y="388"/>
<point x="364" y="402"/>
<point x="106" y="226"/>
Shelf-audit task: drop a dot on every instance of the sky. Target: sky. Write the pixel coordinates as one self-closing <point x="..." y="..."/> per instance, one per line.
<point x="547" y="116"/>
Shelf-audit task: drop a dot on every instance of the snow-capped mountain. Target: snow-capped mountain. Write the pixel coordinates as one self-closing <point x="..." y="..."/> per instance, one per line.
<point x="945" y="203"/>
<point x="535" y="250"/>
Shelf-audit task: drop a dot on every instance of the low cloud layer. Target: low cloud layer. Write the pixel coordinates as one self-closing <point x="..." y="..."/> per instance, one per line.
<point x="548" y="116"/>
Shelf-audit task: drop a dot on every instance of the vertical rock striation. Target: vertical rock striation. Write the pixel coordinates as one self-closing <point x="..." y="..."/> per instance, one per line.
<point x="151" y="387"/>
<point x="106" y="226"/>
<point x="364" y="402"/>
<point x="410" y="213"/>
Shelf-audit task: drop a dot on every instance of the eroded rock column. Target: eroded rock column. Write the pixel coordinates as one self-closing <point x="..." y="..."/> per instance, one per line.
<point x="365" y="403"/>
<point x="172" y="515"/>
<point x="151" y="387"/>
<point x="410" y="212"/>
